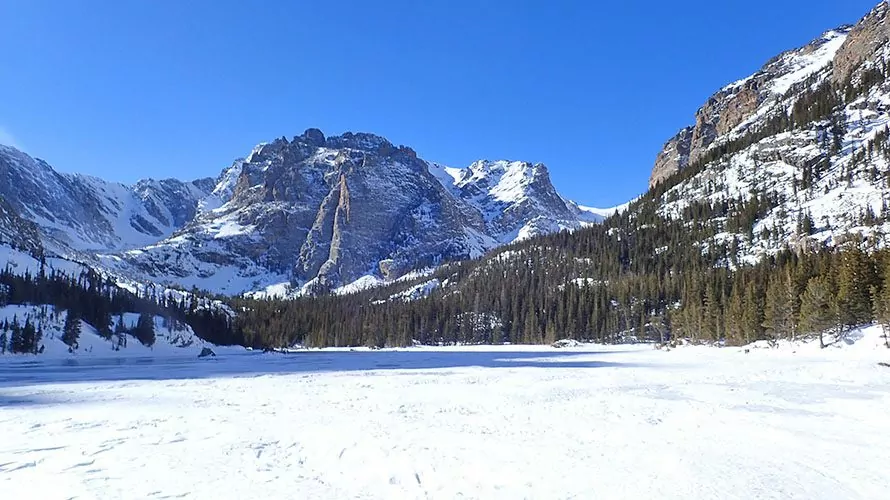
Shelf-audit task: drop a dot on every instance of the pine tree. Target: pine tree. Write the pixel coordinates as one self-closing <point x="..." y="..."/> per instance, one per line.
<point x="778" y="314"/>
<point x="71" y="330"/>
<point x="855" y="281"/>
<point x="882" y="303"/>
<point x="145" y="329"/>
<point x="818" y="309"/>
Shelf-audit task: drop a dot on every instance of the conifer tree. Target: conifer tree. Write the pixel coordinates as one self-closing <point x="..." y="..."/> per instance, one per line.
<point x="778" y="314"/>
<point x="145" y="329"/>
<point x="882" y="303"/>
<point x="71" y="330"/>
<point x="855" y="281"/>
<point x="818" y="309"/>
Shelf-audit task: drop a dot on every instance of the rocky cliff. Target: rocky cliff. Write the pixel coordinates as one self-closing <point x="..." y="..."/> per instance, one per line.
<point x="798" y="153"/>
<point x="319" y="212"/>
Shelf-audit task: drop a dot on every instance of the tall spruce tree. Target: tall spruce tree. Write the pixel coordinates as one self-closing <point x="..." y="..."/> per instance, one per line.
<point x="778" y="314"/>
<point x="856" y="278"/>
<point x="145" y="329"/>
<point x="71" y="330"/>
<point x="818" y="309"/>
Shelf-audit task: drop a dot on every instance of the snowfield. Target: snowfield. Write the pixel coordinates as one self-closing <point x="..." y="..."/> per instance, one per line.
<point x="465" y="422"/>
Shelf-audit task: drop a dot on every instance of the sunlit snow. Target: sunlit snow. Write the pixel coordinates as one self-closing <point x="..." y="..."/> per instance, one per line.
<point x="469" y="422"/>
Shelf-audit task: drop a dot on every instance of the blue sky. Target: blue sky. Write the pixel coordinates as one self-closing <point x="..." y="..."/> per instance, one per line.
<point x="128" y="89"/>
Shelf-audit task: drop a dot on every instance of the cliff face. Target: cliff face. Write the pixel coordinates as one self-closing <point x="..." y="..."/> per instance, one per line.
<point x="747" y="104"/>
<point x="797" y="154"/>
<point x="319" y="212"/>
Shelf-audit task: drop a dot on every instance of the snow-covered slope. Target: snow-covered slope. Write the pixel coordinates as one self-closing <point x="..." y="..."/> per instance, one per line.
<point x="316" y="213"/>
<point x="515" y="199"/>
<point x="172" y="338"/>
<point x="802" y="147"/>
<point x="83" y="213"/>
<point x="744" y="105"/>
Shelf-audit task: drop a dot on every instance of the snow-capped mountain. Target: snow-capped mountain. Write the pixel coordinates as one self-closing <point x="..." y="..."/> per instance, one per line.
<point x="319" y="212"/>
<point x="515" y="199"/>
<point x="800" y="147"/>
<point x="83" y="213"/>
<point x="306" y="215"/>
<point x="746" y="104"/>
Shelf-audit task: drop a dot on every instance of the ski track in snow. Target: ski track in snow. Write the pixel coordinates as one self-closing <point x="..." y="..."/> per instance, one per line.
<point x="468" y="422"/>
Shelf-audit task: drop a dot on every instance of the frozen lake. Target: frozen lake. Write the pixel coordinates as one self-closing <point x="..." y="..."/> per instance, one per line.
<point x="477" y="422"/>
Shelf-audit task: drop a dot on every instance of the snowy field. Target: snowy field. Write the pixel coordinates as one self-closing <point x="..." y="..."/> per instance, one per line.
<point x="496" y="422"/>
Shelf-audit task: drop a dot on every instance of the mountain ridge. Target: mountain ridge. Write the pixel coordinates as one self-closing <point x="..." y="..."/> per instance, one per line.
<point x="291" y="211"/>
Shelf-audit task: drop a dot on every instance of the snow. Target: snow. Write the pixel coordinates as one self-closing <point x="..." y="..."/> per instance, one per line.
<point x="416" y="292"/>
<point x="804" y="65"/>
<point x="224" y="189"/>
<point x="361" y="284"/>
<point x="21" y="263"/>
<point x="605" y="212"/>
<point x="469" y="422"/>
<point x="169" y="342"/>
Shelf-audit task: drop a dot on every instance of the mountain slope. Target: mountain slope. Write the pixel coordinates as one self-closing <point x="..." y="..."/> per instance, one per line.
<point x="773" y="225"/>
<point x="82" y="213"/>
<point x="317" y="213"/>
<point x="798" y="152"/>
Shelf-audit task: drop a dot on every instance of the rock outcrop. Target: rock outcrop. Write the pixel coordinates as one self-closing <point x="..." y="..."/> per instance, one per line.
<point x="320" y="212"/>
<point x="745" y="104"/>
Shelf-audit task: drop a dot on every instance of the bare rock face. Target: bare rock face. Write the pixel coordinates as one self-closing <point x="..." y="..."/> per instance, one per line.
<point x="673" y="156"/>
<point x="738" y="107"/>
<point x="865" y="40"/>
<point x="320" y="212"/>
<point x="17" y="232"/>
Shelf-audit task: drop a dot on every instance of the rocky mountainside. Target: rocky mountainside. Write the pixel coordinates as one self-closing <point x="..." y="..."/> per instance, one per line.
<point x="796" y="152"/>
<point x="82" y="213"/>
<point x="305" y="215"/>
<point x="314" y="213"/>
<point x="18" y="233"/>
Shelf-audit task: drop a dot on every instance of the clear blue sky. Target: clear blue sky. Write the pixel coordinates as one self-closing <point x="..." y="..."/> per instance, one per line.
<point x="127" y="89"/>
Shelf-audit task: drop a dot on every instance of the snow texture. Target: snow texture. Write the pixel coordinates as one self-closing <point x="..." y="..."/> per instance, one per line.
<point x="463" y="422"/>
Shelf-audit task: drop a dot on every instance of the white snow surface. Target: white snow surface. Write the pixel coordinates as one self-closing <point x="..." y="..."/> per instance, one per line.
<point x="460" y="422"/>
<point x="169" y="342"/>
<point x="801" y="65"/>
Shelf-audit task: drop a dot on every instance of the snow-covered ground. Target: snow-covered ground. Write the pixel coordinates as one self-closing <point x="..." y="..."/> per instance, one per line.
<point x="468" y="422"/>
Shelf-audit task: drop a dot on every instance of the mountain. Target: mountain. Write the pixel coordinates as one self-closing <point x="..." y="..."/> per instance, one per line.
<point x="82" y="213"/>
<point x="747" y="104"/>
<point x="801" y="143"/>
<point x="766" y="219"/>
<point x="320" y="212"/>
<point x="306" y="215"/>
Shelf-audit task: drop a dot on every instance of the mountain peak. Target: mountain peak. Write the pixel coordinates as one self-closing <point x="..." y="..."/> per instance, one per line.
<point x="358" y="140"/>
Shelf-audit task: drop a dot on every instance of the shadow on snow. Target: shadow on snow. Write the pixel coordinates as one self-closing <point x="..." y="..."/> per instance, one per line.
<point x="35" y="371"/>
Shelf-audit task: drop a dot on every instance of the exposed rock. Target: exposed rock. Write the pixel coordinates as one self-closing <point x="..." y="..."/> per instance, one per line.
<point x="868" y="38"/>
<point x="206" y="352"/>
<point x="17" y="232"/>
<point x="736" y="108"/>
<point x="673" y="156"/>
